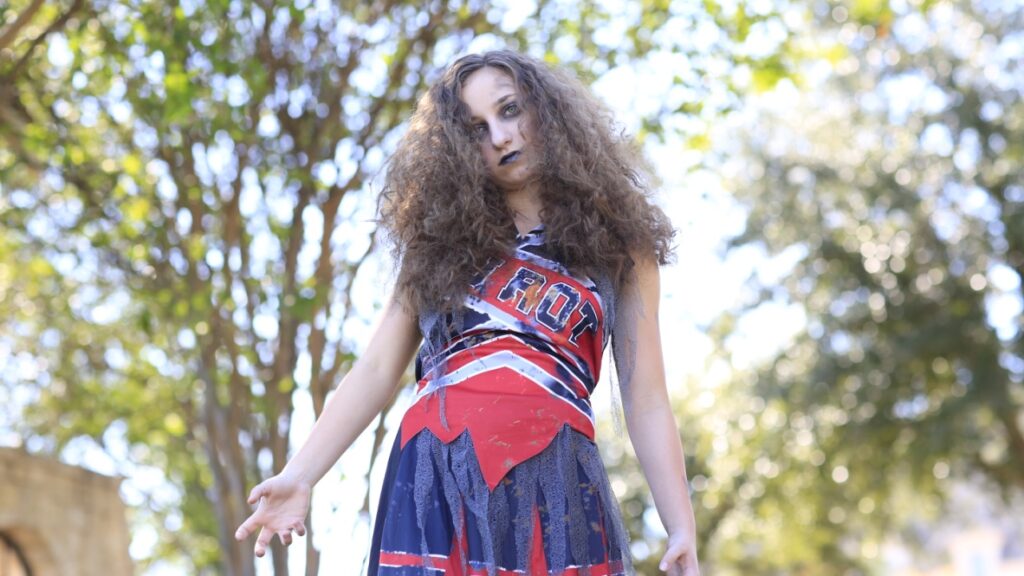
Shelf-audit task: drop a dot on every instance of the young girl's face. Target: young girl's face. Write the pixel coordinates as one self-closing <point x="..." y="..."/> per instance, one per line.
<point x="502" y="127"/>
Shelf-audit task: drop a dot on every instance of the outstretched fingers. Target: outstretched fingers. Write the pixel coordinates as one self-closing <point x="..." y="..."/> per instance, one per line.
<point x="266" y="535"/>
<point x="286" y="535"/>
<point x="247" y="528"/>
<point x="678" y="561"/>
<point x="278" y="512"/>
<point x="262" y="541"/>
<point x="682" y="568"/>
<point x="258" y="491"/>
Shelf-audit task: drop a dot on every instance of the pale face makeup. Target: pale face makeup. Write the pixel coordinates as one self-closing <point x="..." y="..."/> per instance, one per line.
<point x="501" y="126"/>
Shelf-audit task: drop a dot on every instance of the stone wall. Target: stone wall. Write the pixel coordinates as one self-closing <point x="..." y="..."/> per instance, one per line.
<point x="66" y="520"/>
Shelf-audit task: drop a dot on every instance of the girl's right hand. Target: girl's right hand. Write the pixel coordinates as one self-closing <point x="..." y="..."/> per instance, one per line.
<point x="281" y="507"/>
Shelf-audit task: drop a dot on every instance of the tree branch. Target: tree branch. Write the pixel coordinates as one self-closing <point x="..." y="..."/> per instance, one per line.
<point x="8" y="35"/>
<point x="53" y="27"/>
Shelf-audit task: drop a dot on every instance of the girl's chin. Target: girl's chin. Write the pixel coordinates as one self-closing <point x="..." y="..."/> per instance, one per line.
<point x="513" y="179"/>
<point x="508" y="184"/>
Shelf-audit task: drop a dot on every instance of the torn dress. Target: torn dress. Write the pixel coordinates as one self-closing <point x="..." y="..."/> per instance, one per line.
<point x="495" y="471"/>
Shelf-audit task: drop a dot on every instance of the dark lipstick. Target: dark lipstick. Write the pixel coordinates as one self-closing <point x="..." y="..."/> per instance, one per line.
<point x="507" y="158"/>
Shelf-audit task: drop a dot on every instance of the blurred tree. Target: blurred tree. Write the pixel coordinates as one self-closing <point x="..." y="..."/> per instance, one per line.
<point x="185" y="204"/>
<point x="891" y="184"/>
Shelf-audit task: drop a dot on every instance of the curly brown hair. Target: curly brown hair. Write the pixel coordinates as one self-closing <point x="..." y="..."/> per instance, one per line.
<point x="447" y="219"/>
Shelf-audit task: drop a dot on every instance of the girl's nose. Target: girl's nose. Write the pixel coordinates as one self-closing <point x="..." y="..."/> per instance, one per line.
<point x="500" y="136"/>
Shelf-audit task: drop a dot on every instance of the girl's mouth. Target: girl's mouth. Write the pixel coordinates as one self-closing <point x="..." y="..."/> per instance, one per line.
<point x="508" y="158"/>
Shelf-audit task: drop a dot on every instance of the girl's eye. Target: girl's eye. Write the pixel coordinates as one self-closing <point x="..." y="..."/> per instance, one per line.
<point x="479" y="130"/>
<point x="512" y="109"/>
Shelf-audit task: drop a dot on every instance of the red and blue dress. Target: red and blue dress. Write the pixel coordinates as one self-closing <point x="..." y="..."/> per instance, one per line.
<point x="495" y="471"/>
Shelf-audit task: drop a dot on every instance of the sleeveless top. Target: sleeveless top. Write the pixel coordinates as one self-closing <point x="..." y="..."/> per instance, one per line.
<point x="515" y="364"/>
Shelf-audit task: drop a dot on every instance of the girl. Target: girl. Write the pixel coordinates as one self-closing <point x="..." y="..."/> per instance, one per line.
<point x="527" y="242"/>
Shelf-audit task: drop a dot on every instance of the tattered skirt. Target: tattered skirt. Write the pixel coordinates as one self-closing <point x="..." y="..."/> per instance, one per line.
<point x="551" y="514"/>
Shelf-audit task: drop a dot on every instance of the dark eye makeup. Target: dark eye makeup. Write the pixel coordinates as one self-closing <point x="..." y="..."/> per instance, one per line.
<point x="509" y="110"/>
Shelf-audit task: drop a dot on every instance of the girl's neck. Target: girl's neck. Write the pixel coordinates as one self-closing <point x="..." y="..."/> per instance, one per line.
<point x="525" y="205"/>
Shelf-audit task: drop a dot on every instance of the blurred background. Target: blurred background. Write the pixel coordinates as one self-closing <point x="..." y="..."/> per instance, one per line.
<point x="189" y="264"/>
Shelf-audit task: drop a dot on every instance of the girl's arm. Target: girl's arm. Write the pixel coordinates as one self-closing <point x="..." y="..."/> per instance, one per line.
<point x="363" y="392"/>
<point x="652" y="426"/>
<point x="360" y="396"/>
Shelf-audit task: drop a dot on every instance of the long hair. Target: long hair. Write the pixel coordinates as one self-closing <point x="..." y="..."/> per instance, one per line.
<point x="447" y="220"/>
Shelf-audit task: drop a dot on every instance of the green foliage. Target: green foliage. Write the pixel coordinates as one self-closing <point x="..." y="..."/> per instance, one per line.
<point x="903" y="211"/>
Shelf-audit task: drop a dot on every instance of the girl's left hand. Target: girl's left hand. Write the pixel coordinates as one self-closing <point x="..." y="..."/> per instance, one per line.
<point x="681" y="557"/>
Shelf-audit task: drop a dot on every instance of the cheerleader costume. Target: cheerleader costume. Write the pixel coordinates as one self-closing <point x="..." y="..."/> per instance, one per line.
<point x="494" y="471"/>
